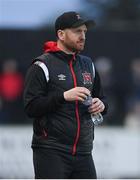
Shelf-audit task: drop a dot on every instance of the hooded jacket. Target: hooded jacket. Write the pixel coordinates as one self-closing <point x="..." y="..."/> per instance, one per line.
<point x="59" y="124"/>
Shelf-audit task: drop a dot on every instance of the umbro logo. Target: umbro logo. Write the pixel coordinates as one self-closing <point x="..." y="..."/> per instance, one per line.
<point x="61" y="77"/>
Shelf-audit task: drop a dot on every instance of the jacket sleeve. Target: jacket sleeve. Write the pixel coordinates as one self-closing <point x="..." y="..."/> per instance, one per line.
<point x="98" y="91"/>
<point x="37" y="100"/>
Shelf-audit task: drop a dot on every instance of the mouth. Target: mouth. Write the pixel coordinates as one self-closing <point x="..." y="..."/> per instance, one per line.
<point x="81" y="43"/>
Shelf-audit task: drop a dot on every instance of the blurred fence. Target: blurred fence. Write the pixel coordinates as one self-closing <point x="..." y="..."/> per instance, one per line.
<point x="116" y="152"/>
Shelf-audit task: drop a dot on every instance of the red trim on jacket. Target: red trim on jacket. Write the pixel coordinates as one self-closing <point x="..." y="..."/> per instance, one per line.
<point x="76" y="110"/>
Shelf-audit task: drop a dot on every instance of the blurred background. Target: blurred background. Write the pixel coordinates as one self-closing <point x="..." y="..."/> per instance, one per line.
<point x="114" y="46"/>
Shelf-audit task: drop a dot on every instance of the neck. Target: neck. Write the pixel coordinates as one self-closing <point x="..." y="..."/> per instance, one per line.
<point x="63" y="48"/>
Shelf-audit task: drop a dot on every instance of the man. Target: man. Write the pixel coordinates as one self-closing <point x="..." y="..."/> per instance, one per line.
<point x="56" y="86"/>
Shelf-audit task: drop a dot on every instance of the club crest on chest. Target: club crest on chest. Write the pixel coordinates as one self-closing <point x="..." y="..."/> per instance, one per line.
<point x="87" y="78"/>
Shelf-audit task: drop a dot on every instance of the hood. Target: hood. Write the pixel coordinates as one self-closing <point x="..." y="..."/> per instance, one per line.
<point x="51" y="46"/>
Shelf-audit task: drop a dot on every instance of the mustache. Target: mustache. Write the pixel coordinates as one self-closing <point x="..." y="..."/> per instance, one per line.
<point x="81" y="41"/>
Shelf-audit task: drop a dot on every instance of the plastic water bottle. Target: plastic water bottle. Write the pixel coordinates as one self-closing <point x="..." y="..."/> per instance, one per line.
<point x="97" y="118"/>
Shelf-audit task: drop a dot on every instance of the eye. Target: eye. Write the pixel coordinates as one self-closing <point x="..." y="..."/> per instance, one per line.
<point x="85" y="31"/>
<point x="81" y="31"/>
<point x="78" y="30"/>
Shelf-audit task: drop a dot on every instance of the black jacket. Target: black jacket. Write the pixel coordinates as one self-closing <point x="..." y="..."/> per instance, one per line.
<point x="58" y="124"/>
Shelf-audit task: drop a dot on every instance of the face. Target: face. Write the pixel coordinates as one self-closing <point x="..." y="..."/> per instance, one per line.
<point x="73" y="39"/>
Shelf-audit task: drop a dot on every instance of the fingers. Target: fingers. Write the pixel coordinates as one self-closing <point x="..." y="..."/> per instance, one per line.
<point x="83" y="91"/>
<point x="80" y="94"/>
<point x="97" y="106"/>
<point x="81" y="97"/>
<point x="77" y="93"/>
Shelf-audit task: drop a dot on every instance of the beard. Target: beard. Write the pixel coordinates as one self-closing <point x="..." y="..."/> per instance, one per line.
<point x="75" y="46"/>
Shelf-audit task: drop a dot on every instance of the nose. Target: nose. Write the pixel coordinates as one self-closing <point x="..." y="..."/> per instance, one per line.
<point x="83" y="35"/>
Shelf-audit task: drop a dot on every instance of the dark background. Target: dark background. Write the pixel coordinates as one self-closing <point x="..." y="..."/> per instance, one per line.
<point x="120" y="47"/>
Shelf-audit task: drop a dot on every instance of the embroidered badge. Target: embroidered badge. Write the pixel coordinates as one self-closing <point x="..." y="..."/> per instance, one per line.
<point x="87" y="78"/>
<point x="61" y="77"/>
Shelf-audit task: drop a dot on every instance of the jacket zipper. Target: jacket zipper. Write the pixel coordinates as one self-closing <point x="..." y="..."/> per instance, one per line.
<point x="76" y="110"/>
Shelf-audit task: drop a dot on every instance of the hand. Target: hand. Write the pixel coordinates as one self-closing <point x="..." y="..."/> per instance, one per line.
<point x="97" y="106"/>
<point x="77" y="93"/>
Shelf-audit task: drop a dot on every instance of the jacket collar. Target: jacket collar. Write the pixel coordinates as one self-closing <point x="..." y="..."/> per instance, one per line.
<point x="51" y="47"/>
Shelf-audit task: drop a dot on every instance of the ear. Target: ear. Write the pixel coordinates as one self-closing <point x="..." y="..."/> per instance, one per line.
<point x="61" y="35"/>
